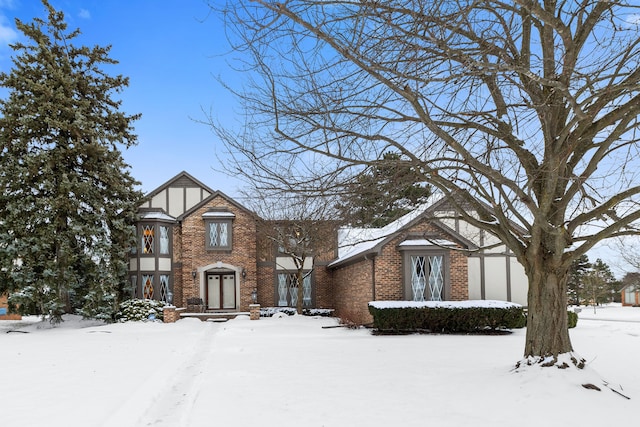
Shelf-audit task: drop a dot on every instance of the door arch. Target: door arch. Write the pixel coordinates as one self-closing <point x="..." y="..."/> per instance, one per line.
<point x="233" y="273"/>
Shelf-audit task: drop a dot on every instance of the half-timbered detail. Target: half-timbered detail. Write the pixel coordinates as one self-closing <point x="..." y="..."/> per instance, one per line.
<point x="198" y="244"/>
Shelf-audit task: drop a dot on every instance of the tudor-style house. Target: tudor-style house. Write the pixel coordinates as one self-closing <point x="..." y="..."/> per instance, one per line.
<point x="195" y="242"/>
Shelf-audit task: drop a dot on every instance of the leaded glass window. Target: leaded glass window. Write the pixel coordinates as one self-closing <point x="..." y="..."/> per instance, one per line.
<point x="148" y="233"/>
<point x="287" y="290"/>
<point x="436" y="278"/>
<point x="418" y="277"/>
<point x="282" y="290"/>
<point x="306" y="291"/>
<point x="147" y="286"/>
<point x="165" y="294"/>
<point x="218" y="235"/>
<point x="427" y="277"/>
<point x="134" y="286"/>
<point x="164" y="240"/>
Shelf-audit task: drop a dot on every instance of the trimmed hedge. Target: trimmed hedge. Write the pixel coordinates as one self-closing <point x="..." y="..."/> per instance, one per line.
<point x="572" y="320"/>
<point x="447" y="317"/>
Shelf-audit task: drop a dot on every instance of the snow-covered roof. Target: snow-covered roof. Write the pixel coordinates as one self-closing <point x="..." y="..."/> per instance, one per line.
<point x="444" y="304"/>
<point x="356" y="241"/>
<point x="156" y="215"/>
<point x="218" y="214"/>
<point x="428" y="242"/>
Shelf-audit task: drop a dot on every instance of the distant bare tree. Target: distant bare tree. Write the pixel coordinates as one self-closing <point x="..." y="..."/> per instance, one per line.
<point x="299" y="229"/>
<point x="530" y="107"/>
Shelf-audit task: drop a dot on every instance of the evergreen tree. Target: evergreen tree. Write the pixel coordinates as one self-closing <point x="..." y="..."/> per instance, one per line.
<point x="68" y="200"/>
<point x="575" y="285"/>
<point x="386" y="190"/>
<point x="609" y="285"/>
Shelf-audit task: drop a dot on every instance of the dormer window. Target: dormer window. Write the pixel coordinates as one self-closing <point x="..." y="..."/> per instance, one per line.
<point x="218" y="229"/>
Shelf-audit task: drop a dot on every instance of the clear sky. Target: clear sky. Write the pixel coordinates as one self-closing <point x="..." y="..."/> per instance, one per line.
<point x="171" y="51"/>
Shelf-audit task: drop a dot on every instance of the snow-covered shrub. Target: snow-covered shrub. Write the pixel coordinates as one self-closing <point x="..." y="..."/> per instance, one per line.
<point x="290" y="311"/>
<point x="140" y="309"/>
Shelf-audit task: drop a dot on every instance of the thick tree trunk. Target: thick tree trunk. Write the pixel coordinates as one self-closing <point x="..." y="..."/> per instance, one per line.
<point x="547" y="328"/>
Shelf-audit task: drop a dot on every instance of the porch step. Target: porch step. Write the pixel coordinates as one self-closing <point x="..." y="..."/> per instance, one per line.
<point x="215" y="316"/>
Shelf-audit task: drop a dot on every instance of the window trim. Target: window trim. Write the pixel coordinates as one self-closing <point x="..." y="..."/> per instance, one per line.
<point x="207" y="241"/>
<point x="156" y="283"/>
<point x="276" y="294"/>
<point x="426" y="252"/>
<point x="155" y="250"/>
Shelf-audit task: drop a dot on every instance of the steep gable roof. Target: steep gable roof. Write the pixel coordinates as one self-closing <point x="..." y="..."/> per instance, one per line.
<point x="183" y="179"/>
<point x="213" y="195"/>
<point x="356" y="242"/>
<point x="183" y="194"/>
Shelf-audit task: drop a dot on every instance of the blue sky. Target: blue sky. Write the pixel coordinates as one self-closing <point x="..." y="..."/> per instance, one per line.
<point x="171" y="51"/>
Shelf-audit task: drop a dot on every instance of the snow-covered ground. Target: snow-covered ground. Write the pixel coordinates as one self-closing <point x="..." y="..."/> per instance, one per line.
<point x="292" y="372"/>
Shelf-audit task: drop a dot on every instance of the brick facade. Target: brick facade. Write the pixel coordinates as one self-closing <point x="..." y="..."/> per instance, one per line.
<point x="381" y="277"/>
<point x="382" y="273"/>
<point x="191" y="255"/>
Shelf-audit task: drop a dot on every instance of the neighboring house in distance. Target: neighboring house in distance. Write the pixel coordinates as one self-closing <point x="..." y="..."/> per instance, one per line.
<point x="194" y="242"/>
<point x="630" y="292"/>
<point x="630" y="295"/>
<point x="4" y="310"/>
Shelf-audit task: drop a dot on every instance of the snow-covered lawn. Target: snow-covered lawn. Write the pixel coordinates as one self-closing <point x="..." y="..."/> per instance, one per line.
<point x="291" y="372"/>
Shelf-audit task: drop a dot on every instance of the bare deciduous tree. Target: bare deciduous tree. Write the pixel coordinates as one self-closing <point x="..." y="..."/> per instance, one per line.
<point x="529" y="107"/>
<point x="298" y="230"/>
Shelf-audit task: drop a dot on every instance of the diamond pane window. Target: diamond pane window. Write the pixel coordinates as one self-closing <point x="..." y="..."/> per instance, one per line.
<point x="436" y="279"/>
<point x="418" y="275"/>
<point x="134" y="286"/>
<point x="224" y="234"/>
<point x="282" y="290"/>
<point x="293" y="289"/>
<point x="164" y="288"/>
<point x="287" y="290"/>
<point x="148" y="233"/>
<point x="213" y="235"/>
<point x="426" y="278"/>
<point x="147" y="286"/>
<point x="164" y="240"/>
<point x="218" y="235"/>
<point x="306" y="291"/>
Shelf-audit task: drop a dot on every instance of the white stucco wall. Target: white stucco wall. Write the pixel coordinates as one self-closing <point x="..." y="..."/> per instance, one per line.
<point x="519" y="283"/>
<point x="496" y="278"/>
<point x="474" y="281"/>
<point x="164" y="264"/>
<point x="160" y="200"/>
<point x="287" y="263"/>
<point x="147" y="264"/>
<point x="176" y="201"/>
<point x="193" y="197"/>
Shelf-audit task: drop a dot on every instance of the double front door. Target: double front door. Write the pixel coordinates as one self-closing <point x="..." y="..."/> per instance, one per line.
<point x="221" y="291"/>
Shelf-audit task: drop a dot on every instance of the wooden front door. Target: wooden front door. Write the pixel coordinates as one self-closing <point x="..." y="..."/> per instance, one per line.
<point x="221" y="291"/>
